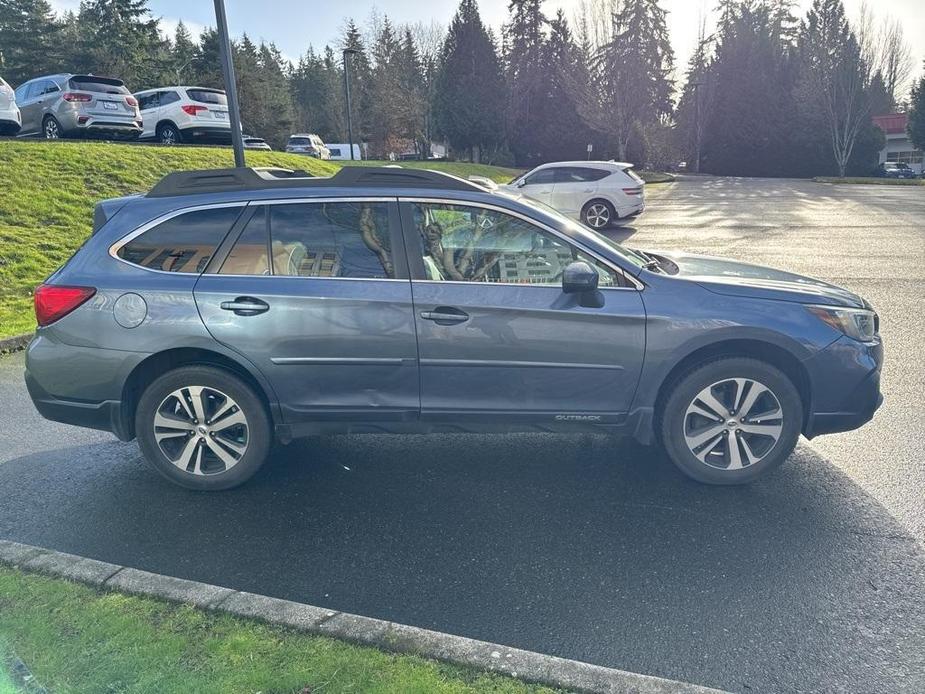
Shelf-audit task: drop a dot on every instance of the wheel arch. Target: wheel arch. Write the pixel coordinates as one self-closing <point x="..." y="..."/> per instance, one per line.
<point x="166" y="121"/>
<point x="146" y="371"/>
<point x="762" y="350"/>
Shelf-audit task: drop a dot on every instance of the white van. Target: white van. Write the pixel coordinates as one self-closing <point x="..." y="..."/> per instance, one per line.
<point x="342" y="152"/>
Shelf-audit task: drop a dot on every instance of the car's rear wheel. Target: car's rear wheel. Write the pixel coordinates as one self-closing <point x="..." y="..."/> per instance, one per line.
<point x="51" y="128"/>
<point x="168" y="134"/>
<point x="731" y="420"/>
<point x="203" y="428"/>
<point x="598" y="214"/>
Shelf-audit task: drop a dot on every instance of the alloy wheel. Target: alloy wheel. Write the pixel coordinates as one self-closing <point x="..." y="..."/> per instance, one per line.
<point x="168" y="136"/>
<point x="597" y="216"/>
<point x="52" y="131"/>
<point x="733" y="423"/>
<point x="201" y="430"/>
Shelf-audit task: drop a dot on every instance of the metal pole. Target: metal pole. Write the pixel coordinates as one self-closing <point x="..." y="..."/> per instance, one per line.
<point x="348" y="51"/>
<point x="698" y="130"/>
<point x="231" y="87"/>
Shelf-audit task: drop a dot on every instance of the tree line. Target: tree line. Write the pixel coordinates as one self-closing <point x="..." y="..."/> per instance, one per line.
<point x="766" y="93"/>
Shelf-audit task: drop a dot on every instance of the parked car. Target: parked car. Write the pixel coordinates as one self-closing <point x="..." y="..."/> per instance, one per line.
<point x="893" y="169"/>
<point x="341" y="152"/>
<point x="229" y="308"/>
<point x="173" y="115"/>
<point x="597" y="193"/>
<point x="9" y="112"/>
<point x="251" y="142"/>
<point x="57" y="106"/>
<point x="307" y="143"/>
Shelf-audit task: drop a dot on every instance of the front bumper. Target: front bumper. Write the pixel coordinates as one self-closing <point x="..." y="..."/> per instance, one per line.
<point x="845" y="380"/>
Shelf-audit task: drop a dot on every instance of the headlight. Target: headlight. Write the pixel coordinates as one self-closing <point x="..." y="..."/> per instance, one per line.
<point x="858" y="323"/>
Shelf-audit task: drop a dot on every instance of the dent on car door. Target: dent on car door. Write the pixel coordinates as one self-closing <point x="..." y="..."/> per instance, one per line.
<point x="497" y="337"/>
<point x="313" y="294"/>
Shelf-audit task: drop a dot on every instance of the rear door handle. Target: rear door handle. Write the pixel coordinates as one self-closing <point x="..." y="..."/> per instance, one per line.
<point x="246" y="306"/>
<point x="445" y="315"/>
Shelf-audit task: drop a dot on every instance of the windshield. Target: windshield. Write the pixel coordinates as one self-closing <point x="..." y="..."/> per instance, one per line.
<point x="98" y="85"/>
<point x="208" y="96"/>
<point x="580" y="230"/>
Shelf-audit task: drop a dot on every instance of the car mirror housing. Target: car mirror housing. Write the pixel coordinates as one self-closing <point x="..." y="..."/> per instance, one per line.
<point x="579" y="277"/>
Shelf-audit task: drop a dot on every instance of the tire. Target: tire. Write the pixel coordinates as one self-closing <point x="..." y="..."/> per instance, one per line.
<point x="197" y="454"/>
<point x="598" y="214"/>
<point x="740" y="446"/>
<point x="169" y="134"/>
<point x="51" y="128"/>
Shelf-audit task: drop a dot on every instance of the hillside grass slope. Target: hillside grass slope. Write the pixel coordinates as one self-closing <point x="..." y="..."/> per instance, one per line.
<point x="48" y="190"/>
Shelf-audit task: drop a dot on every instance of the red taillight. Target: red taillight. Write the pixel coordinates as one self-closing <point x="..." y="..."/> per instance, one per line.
<point x="192" y="109"/>
<point x="633" y="191"/>
<point x="54" y="301"/>
<point x="75" y="96"/>
<point x="131" y="101"/>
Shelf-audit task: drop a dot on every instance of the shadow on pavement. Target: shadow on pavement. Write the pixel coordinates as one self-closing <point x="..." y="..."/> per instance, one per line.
<point x="581" y="546"/>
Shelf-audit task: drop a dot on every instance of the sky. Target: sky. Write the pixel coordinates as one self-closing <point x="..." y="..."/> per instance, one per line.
<point x="293" y="25"/>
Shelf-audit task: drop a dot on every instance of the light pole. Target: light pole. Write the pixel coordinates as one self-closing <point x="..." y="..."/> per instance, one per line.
<point x="698" y="134"/>
<point x="347" y="52"/>
<point x="231" y="87"/>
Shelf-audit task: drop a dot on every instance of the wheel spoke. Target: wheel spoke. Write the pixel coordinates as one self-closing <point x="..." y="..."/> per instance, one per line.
<point x="163" y="421"/>
<point x="750" y="457"/>
<point x="186" y="455"/>
<point x="735" y="457"/>
<point x="696" y="408"/>
<point x="197" y="396"/>
<point x="223" y="455"/>
<point x="707" y="398"/>
<point x="704" y="435"/>
<point x="709" y="448"/>
<point x="772" y="430"/>
<point x="755" y="391"/>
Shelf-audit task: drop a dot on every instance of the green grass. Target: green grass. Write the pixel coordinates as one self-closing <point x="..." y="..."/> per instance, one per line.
<point x="76" y="639"/>
<point x="872" y="180"/>
<point x="48" y="190"/>
<point x="6" y="684"/>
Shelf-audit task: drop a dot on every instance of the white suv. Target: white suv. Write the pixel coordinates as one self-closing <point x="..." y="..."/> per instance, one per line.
<point x="597" y="193"/>
<point x="10" y="120"/>
<point x="308" y="143"/>
<point x="182" y="114"/>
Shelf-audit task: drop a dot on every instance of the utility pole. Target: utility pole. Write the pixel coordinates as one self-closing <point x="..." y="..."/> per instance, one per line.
<point x="697" y="129"/>
<point x="348" y="52"/>
<point x="231" y="87"/>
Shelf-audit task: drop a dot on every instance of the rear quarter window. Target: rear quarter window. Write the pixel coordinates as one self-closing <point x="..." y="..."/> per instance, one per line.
<point x="184" y="243"/>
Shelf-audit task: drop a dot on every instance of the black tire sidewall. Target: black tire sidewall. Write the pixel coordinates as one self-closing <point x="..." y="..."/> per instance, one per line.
<point x="259" y="428"/>
<point x="686" y="388"/>
<point x="161" y="129"/>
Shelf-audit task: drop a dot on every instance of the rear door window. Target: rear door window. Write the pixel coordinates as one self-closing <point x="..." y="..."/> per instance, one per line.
<point x="331" y="239"/>
<point x="148" y="101"/>
<point x="250" y="254"/>
<point x="184" y="243"/>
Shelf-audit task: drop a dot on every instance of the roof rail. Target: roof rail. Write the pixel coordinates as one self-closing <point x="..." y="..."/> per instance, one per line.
<point x="231" y="180"/>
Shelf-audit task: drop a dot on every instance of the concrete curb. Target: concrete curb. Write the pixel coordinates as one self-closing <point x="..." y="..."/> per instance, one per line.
<point x="525" y="665"/>
<point x="15" y="343"/>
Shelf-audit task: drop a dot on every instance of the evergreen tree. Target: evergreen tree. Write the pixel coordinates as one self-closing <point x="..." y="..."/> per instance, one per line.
<point x="469" y="89"/>
<point x="565" y="132"/>
<point x="385" y="96"/>
<point x="413" y="104"/>
<point x="29" y="43"/>
<point x="526" y="76"/>
<point x="633" y="73"/>
<point x="832" y="90"/>
<point x="916" y="126"/>
<point x="207" y="62"/>
<point x="360" y="82"/>
<point x="184" y="54"/>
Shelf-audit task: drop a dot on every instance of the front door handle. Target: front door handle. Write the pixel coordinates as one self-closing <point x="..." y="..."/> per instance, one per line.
<point x="445" y="315"/>
<point x="246" y="306"/>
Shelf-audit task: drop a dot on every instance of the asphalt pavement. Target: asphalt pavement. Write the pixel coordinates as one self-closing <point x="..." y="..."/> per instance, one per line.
<point x="584" y="547"/>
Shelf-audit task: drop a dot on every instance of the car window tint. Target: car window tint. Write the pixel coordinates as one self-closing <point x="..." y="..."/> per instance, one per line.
<point x="541" y="176"/>
<point x="184" y="243"/>
<point x="167" y="98"/>
<point x="331" y="239"/>
<point x="575" y="174"/>
<point x="207" y="96"/>
<point x="98" y="85"/>
<point x="148" y="101"/>
<point x="249" y="255"/>
<point x="474" y="244"/>
<point x="49" y="87"/>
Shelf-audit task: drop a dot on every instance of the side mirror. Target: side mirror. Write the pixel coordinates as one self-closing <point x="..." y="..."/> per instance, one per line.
<point x="579" y="277"/>
<point x="521" y="183"/>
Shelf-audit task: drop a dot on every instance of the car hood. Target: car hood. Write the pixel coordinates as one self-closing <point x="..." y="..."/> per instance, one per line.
<point x="735" y="278"/>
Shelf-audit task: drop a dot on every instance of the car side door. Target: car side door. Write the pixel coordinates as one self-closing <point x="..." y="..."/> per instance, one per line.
<point x="499" y="342"/>
<point x="148" y="105"/>
<point x="539" y="185"/>
<point x="30" y="108"/>
<point x="573" y="187"/>
<point x="316" y="294"/>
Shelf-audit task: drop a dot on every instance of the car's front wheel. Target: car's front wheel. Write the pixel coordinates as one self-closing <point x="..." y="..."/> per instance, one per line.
<point x="731" y="420"/>
<point x="203" y="428"/>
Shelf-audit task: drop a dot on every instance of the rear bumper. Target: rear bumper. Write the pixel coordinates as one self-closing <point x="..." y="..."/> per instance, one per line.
<point x="212" y="133"/>
<point x="105" y="415"/>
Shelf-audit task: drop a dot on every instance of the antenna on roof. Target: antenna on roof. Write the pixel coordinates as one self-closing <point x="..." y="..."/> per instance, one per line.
<point x="231" y="87"/>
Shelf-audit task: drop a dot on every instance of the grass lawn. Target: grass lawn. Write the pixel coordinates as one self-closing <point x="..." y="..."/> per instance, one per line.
<point x="76" y="639"/>
<point x="48" y="190"/>
<point x="6" y="684"/>
<point x="872" y="180"/>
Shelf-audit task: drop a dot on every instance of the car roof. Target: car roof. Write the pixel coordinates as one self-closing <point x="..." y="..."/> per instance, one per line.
<point x="584" y="164"/>
<point x="181" y="86"/>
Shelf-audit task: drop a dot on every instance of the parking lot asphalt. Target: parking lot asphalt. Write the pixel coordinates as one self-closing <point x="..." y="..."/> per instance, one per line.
<point x="812" y="579"/>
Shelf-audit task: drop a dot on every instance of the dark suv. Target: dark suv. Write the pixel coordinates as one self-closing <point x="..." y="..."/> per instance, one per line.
<point x="226" y="309"/>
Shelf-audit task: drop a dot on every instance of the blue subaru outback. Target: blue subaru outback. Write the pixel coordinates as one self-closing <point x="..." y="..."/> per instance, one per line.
<point x="227" y="309"/>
